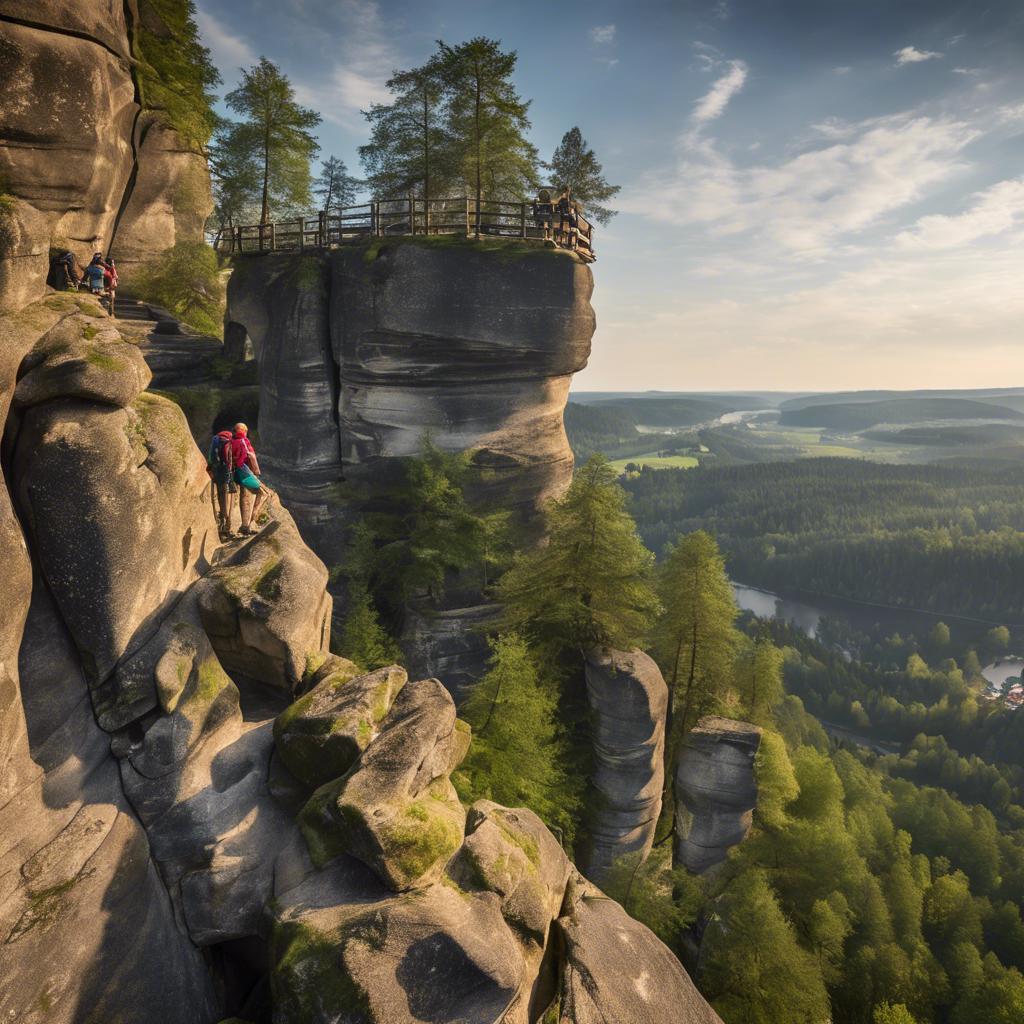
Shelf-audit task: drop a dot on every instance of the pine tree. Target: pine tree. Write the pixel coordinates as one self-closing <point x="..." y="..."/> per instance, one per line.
<point x="409" y="148"/>
<point x="591" y="583"/>
<point x="759" y="677"/>
<point x="888" y="1013"/>
<point x="486" y="121"/>
<point x="276" y="131"/>
<point x="575" y="166"/>
<point x="363" y="639"/>
<point x="695" y="640"/>
<point x="235" y="176"/>
<point x="516" y="753"/>
<point x="753" y="969"/>
<point x="335" y="187"/>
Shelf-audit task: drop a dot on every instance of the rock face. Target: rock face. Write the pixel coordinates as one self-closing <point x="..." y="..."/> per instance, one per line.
<point x="716" y="790"/>
<point x="629" y="700"/>
<point x="75" y="149"/>
<point x="196" y="845"/>
<point x="368" y="348"/>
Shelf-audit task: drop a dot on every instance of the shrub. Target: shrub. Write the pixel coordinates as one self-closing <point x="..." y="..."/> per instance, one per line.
<point x="185" y="280"/>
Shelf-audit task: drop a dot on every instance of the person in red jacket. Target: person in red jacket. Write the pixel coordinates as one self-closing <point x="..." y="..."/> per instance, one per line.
<point x="246" y="474"/>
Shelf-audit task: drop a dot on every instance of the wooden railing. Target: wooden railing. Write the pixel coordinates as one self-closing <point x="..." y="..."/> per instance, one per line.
<point x="383" y="218"/>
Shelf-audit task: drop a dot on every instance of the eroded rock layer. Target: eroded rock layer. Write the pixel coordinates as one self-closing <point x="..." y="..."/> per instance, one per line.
<point x="81" y="167"/>
<point x="716" y="790"/>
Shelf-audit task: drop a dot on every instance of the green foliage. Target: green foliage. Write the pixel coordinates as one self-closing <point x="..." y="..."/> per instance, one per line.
<point x="517" y="753"/>
<point x="591" y="583"/>
<point x="776" y="781"/>
<point x="174" y="71"/>
<point x="758" y="673"/>
<point x="276" y="136"/>
<point x="186" y="281"/>
<point x="889" y="1013"/>
<point x="410" y="149"/>
<point x="694" y="639"/>
<point x="754" y="970"/>
<point x="486" y="120"/>
<point x="574" y="165"/>
<point x="667" y="900"/>
<point x="363" y="639"/>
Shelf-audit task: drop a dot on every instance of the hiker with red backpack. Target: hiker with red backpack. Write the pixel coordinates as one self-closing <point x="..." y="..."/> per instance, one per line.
<point x="220" y="464"/>
<point x="246" y="475"/>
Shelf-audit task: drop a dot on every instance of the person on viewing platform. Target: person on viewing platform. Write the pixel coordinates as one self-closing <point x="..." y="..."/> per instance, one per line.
<point x="246" y="474"/>
<point x="544" y="212"/>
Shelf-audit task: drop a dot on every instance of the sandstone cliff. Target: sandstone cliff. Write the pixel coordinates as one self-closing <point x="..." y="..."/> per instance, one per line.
<point x="81" y="165"/>
<point x="366" y="349"/>
<point x="194" y="840"/>
<point x="716" y="790"/>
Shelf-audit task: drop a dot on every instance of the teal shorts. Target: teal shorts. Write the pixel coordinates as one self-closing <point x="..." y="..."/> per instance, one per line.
<point x="245" y="479"/>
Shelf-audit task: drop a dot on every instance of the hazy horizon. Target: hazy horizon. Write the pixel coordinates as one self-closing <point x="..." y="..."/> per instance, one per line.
<point x="814" y="197"/>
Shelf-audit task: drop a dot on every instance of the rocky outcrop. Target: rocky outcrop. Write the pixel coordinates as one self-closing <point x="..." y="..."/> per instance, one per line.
<point x="716" y="790"/>
<point x="80" y="166"/>
<point x="629" y="699"/>
<point x="365" y="350"/>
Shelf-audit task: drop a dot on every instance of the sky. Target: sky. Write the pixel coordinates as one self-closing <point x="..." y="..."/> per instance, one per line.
<point x="816" y="194"/>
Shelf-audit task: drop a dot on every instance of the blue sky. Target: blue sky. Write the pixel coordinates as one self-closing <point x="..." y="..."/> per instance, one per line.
<point x="816" y="194"/>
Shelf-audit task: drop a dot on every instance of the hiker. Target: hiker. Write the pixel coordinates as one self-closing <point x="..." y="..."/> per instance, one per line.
<point x="246" y="474"/>
<point x="564" y="209"/>
<point x="544" y="213"/>
<point x="219" y="464"/>
<point x="573" y="223"/>
<point x="64" y="272"/>
<point x="110" y="282"/>
<point x="94" y="274"/>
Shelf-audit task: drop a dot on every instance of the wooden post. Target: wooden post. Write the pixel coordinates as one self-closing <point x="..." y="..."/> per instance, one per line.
<point x="302" y="233"/>
<point x="467" y="217"/>
<point x="522" y="219"/>
<point x="376" y="217"/>
<point x="412" y="215"/>
<point x="273" y="238"/>
<point x="322" y="229"/>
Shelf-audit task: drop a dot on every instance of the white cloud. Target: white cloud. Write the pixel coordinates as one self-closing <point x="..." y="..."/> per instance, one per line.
<point x="721" y="10"/>
<point x="366" y="59"/>
<point x="808" y="203"/>
<point x="956" y="39"/>
<point x="227" y="50"/>
<point x="994" y="211"/>
<point x="911" y="55"/>
<point x="966" y="71"/>
<point x="843" y="69"/>
<point x="602" y="35"/>
<point x="713" y="103"/>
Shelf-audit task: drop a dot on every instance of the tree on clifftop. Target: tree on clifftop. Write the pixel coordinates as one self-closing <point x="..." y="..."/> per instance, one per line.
<point x="574" y="166"/>
<point x="486" y="121"/>
<point x="276" y="132"/>
<point x="335" y="187"/>
<point x="409" y="147"/>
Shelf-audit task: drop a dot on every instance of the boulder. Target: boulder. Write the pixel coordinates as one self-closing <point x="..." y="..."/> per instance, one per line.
<point x="82" y="358"/>
<point x="716" y="790"/>
<point x="139" y="530"/>
<point x="323" y="733"/>
<point x="343" y="949"/>
<point x="617" y="969"/>
<point x="629" y="701"/>
<point x="266" y="608"/>
<point x="397" y="810"/>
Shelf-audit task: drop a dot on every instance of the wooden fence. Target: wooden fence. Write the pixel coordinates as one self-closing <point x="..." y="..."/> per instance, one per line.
<point x="383" y="218"/>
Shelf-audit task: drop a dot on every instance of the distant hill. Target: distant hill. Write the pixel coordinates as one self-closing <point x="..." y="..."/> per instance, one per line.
<point x="987" y="395"/>
<point x="862" y="415"/>
<point x="980" y="436"/>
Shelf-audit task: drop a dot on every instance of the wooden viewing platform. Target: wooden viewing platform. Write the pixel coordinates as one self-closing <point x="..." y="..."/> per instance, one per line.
<point x="384" y="218"/>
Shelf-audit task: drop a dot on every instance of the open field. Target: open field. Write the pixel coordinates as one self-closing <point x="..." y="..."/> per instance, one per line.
<point x="656" y="461"/>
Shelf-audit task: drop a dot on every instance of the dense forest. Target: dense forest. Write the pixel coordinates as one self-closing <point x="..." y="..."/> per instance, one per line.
<point x="938" y="538"/>
<point x="859" y="415"/>
<point x="874" y="888"/>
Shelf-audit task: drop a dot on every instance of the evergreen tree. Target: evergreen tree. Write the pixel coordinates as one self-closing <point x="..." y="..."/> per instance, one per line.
<point x="277" y="133"/>
<point x="887" y="1013"/>
<point x="776" y="781"/>
<point x="335" y="187"/>
<point x="235" y="176"/>
<point x="363" y="639"/>
<point x="409" y="148"/>
<point x="574" y="166"/>
<point x="516" y="753"/>
<point x="486" y="121"/>
<point x="590" y="584"/>
<point x="753" y="969"/>
<point x="759" y="677"/>
<point x="694" y="639"/>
